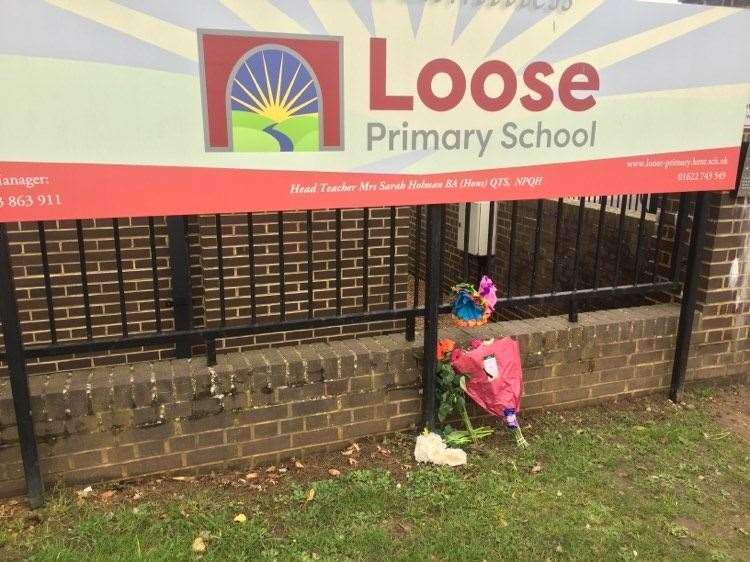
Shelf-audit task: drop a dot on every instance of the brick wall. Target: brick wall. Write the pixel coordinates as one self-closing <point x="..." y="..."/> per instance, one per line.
<point x="260" y="406"/>
<point x="103" y="287"/>
<point x="721" y="338"/>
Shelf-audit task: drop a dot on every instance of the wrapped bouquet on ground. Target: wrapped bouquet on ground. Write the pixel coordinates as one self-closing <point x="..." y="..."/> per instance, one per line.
<point x="490" y="374"/>
<point x="493" y="378"/>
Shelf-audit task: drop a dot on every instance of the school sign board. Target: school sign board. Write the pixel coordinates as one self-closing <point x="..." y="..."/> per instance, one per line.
<point x="138" y="107"/>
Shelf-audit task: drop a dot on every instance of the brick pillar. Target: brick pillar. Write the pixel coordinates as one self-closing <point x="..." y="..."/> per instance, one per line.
<point x="721" y="340"/>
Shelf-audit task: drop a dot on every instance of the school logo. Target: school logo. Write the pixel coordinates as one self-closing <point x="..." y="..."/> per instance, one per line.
<point x="271" y="92"/>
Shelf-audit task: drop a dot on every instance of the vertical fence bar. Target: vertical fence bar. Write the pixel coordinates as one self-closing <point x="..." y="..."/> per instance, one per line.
<point x="310" y="265"/>
<point x="154" y="273"/>
<point x="392" y="262"/>
<point x="599" y="236"/>
<point x="689" y="298"/>
<point x="620" y="241"/>
<point x="573" y="312"/>
<point x="19" y="384"/>
<point x="84" y="279"/>
<point x="680" y="228"/>
<point x="211" y="352"/>
<point x="512" y="246"/>
<point x="418" y="256"/>
<point x="282" y="267"/>
<point x="411" y="321"/>
<point x="251" y="264"/>
<point x="337" y="246"/>
<point x="179" y="263"/>
<point x="489" y="266"/>
<point x="555" y="251"/>
<point x="639" y="244"/>
<point x="120" y="277"/>
<point x="659" y="230"/>
<point x="211" y="342"/>
<point x="429" y="376"/>
<point x="365" y="259"/>
<point x="467" y="233"/>
<point x="220" y="268"/>
<point x="47" y="281"/>
<point x="537" y="242"/>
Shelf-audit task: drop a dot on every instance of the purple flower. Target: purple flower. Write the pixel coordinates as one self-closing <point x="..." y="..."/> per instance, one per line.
<point x="488" y="292"/>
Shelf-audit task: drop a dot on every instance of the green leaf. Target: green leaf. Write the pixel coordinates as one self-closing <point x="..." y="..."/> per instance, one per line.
<point x="444" y="411"/>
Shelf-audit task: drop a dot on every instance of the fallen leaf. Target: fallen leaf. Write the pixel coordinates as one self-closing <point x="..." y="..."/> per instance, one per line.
<point x="199" y="545"/>
<point x="240" y="518"/>
<point x="282" y="470"/>
<point x="86" y="492"/>
<point x="310" y="495"/>
<point x="108" y="495"/>
<point x="251" y="476"/>
<point x="353" y="448"/>
<point x="352" y="461"/>
<point x="334" y="472"/>
<point x="271" y="469"/>
<point x="536" y="469"/>
<point x="299" y="465"/>
<point x="183" y="478"/>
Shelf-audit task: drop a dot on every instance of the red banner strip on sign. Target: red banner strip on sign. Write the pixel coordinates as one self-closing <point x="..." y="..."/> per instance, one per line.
<point x="48" y="191"/>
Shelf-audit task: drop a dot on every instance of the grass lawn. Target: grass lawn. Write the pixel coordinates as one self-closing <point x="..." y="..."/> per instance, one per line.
<point x="643" y="480"/>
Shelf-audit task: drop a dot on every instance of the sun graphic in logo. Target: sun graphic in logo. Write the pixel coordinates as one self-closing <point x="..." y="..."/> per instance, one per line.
<point x="274" y="98"/>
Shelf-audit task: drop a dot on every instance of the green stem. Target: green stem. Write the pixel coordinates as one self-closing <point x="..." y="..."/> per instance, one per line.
<point x="467" y="422"/>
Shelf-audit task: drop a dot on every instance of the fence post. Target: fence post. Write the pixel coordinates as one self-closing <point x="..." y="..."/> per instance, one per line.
<point x="411" y="327"/>
<point x="19" y="383"/>
<point x="179" y="263"/>
<point x="429" y="379"/>
<point x="689" y="298"/>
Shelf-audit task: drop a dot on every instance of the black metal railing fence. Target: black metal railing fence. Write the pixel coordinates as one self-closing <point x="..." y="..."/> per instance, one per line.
<point x="134" y="280"/>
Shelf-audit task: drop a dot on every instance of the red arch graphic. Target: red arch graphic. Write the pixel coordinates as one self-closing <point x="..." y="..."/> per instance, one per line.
<point x="221" y="50"/>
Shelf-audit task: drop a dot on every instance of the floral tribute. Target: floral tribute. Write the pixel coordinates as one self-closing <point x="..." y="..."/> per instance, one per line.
<point x="472" y="307"/>
<point x="490" y="374"/>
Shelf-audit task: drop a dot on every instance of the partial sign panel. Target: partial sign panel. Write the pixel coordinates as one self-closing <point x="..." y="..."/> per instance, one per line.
<point x="139" y="108"/>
